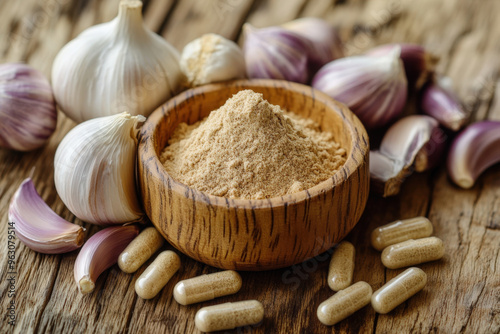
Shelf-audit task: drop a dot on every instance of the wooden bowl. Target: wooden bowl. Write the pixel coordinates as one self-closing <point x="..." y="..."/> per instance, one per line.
<point x="254" y="234"/>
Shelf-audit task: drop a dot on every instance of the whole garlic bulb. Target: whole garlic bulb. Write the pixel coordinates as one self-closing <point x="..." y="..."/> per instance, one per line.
<point x="28" y="114"/>
<point x="115" y="66"/>
<point x="94" y="170"/>
<point x="212" y="58"/>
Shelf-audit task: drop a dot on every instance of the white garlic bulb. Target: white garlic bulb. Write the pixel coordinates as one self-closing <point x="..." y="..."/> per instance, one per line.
<point x="212" y="58"/>
<point x="115" y="66"/>
<point x="94" y="170"/>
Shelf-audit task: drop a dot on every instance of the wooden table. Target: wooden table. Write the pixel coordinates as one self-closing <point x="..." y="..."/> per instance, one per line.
<point x="463" y="290"/>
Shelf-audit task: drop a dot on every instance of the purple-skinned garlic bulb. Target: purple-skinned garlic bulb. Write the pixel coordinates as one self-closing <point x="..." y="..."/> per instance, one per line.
<point x="28" y="114"/>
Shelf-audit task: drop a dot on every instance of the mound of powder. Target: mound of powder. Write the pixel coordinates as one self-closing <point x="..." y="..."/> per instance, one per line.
<point x="249" y="148"/>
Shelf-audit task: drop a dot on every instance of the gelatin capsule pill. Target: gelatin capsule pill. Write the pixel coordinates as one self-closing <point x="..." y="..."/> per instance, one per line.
<point x="229" y="315"/>
<point x="401" y="230"/>
<point x="207" y="287"/>
<point x="344" y="303"/>
<point x="398" y="289"/>
<point x="140" y="250"/>
<point x="157" y="274"/>
<point x="412" y="252"/>
<point x="341" y="266"/>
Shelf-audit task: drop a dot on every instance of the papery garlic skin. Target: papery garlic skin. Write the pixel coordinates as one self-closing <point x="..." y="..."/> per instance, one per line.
<point x="28" y="114"/>
<point x="99" y="253"/>
<point x="115" y="66"/>
<point x="212" y="58"/>
<point x="276" y="53"/>
<point x="474" y="150"/>
<point x="40" y="228"/>
<point x="373" y="87"/>
<point x="94" y="170"/>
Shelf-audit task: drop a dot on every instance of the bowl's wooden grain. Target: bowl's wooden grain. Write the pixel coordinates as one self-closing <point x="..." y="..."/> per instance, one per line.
<point x="254" y="234"/>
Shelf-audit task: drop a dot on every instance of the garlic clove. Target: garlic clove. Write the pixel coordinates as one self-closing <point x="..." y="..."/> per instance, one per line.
<point x="432" y="152"/>
<point x="40" y="228"/>
<point x="474" y="150"/>
<point x="276" y="53"/>
<point x="419" y="64"/>
<point x="94" y="170"/>
<point x="386" y="175"/>
<point x="373" y="87"/>
<point x="212" y="58"/>
<point x="116" y="66"/>
<point x="442" y="104"/>
<point x="99" y="253"/>
<point x="326" y="42"/>
<point x="28" y="114"/>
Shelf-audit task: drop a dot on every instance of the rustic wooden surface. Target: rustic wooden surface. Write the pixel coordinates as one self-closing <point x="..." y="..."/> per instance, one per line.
<point x="463" y="291"/>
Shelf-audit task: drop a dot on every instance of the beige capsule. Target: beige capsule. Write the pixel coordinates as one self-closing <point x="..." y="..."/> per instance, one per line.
<point x="344" y="303"/>
<point x="399" y="231"/>
<point x="229" y="315"/>
<point x="398" y="289"/>
<point x="140" y="250"/>
<point x="157" y="274"/>
<point x="341" y="267"/>
<point x="412" y="252"/>
<point x="207" y="287"/>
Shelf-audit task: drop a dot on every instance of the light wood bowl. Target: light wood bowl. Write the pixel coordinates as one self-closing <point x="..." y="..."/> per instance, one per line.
<point x="254" y="234"/>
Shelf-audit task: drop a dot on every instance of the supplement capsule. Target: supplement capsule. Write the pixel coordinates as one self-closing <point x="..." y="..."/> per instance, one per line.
<point x="401" y="230"/>
<point x="229" y="315"/>
<point x="344" y="303"/>
<point x="412" y="252"/>
<point x="157" y="274"/>
<point x="140" y="250"/>
<point x="398" y="289"/>
<point x="207" y="287"/>
<point x="341" y="266"/>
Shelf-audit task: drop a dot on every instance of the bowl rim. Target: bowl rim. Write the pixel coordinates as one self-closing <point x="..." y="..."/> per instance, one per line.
<point x="153" y="164"/>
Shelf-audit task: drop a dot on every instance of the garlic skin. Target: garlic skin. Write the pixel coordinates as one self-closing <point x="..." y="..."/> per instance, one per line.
<point x="28" y="114"/>
<point x="40" y="228"/>
<point x="115" y="66"/>
<point x="373" y="87"/>
<point x="99" y="253"/>
<point x="212" y="58"/>
<point x="276" y="53"/>
<point x="473" y="151"/>
<point x="94" y="170"/>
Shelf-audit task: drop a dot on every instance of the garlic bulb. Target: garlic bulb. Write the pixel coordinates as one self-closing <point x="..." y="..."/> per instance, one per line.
<point x="28" y="114"/>
<point x="373" y="87"/>
<point x="94" y="170"/>
<point x="115" y="66"/>
<point x="212" y="58"/>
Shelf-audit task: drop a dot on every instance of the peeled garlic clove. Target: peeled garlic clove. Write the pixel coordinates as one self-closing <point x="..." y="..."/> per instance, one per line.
<point x="443" y="105"/>
<point x="419" y="64"/>
<point x="40" y="228"/>
<point x="94" y="170"/>
<point x="373" y="87"/>
<point x="212" y="58"/>
<point x="99" y="253"/>
<point x="115" y="66"/>
<point x="28" y="114"/>
<point x="475" y="149"/>
<point x="276" y="53"/>
<point x="326" y="43"/>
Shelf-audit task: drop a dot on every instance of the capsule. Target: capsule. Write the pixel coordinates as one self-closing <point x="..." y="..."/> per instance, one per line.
<point x="344" y="303"/>
<point x="207" y="287"/>
<point x="140" y="250"/>
<point x="157" y="274"/>
<point x="229" y="316"/>
<point x="412" y="252"/>
<point x="398" y="289"/>
<point x="341" y="266"/>
<point x="401" y="230"/>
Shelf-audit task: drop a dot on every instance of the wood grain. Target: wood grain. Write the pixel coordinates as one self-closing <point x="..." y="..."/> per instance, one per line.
<point x="463" y="292"/>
